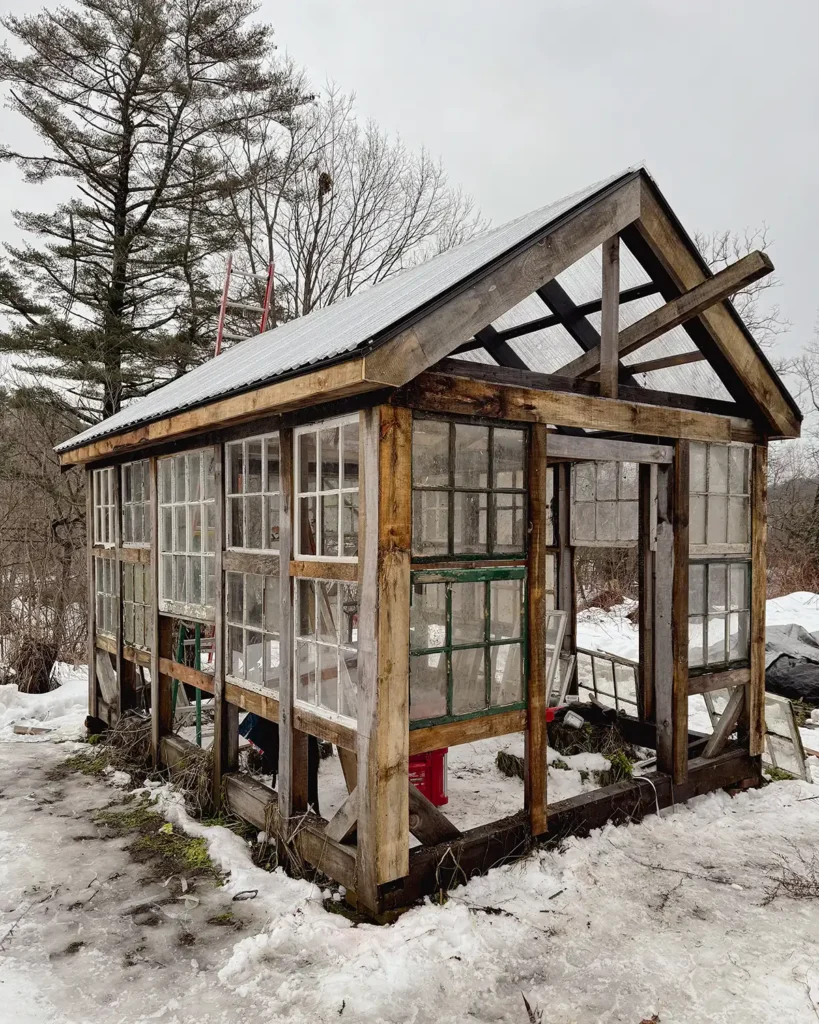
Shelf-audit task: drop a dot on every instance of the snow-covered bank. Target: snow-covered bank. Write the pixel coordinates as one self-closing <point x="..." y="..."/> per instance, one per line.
<point x="62" y="710"/>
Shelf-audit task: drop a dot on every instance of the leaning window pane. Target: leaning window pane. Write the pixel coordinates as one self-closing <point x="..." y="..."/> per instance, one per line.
<point x="507" y="677"/>
<point x="254" y="598"/>
<point x="350" y="455"/>
<point x="739" y="635"/>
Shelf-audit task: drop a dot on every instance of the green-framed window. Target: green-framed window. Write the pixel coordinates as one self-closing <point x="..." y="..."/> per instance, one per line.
<point x="467" y="643"/>
<point x="468" y="490"/>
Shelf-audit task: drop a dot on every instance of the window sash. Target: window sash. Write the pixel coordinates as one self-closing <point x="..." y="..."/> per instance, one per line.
<point x="238" y="500"/>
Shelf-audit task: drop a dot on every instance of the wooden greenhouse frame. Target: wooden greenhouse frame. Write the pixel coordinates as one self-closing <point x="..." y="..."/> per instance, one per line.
<point x="418" y="363"/>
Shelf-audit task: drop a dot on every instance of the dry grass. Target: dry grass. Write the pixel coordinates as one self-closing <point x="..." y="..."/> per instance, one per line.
<point x="798" y="877"/>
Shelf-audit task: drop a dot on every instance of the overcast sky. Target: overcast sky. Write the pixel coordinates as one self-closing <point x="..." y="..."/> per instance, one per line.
<point x="528" y="100"/>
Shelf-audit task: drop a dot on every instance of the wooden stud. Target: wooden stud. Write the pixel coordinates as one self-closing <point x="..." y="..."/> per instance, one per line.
<point x="292" y="779"/>
<point x="607" y="449"/>
<point x="226" y="715"/>
<point x="93" y="706"/>
<point x="156" y="689"/>
<point x="565" y="594"/>
<point x="383" y="646"/>
<point x="707" y="682"/>
<point x="645" y="584"/>
<point x="679" y="622"/>
<point x="452" y="734"/>
<point x="247" y="561"/>
<point x="662" y="618"/>
<point x="608" y="354"/>
<point x="116" y="475"/>
<point x="185" y="674"/>
<point x="759" y="586"/>
<point x="537" y="699"/>
<point x="161" y="691"/>
<point x="313" y="569"/>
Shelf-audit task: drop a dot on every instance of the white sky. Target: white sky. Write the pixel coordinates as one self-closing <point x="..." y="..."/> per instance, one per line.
<point x="528" y="100"/>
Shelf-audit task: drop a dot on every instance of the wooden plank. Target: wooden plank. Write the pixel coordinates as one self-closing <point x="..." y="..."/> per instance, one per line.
<point x="349" y="767"/>
<point x="662" y="619"/>
<point x="535" y="796"/>
<point x="727" y="723"/>
<point x="100" y="551"/>
<point x="137" y="656"/>
<point x="106" y="643"/>
<point x="607" y="356"/>
<point x="161" y="704"/>
<point x="645" y="587"/>
<point x="317" y="570"/>
<point x="91" y="627"/>
<point x="137" y="556"/>
<point x="679" y="609"/>
<point x="226" y="715"/>
<point x="759" y="593"/>
<point x="156" y="689"/>
<point x="710" y="681"/>
<point x="248" y="698"/>
<point x="323" y="728"/>
<point x="185" y="674"/>
<point x="500" y="287"/>
<point x="662" y="363"/>
<point x="343" y="823"/>
<point x="427" y="822"/>
<point x="116" y="705"/>
<point x="605" y="449"/>
<point x="451" y="734"/>
<point x="107" y="679"/>
<point x="383" y="645"/>
<point x="677" y="311"/>
<point x="565" y="595"/>
<point x="292" y="779"/>
<point x="655" y="227"/>
<point x="323" y="385"/>
<point x="443" y="393"/>
<point x="250" y="561"/>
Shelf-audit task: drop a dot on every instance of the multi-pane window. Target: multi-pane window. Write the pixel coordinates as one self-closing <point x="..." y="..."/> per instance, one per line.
<point x="253" y="490"/>
<point x="467" y="640"/>
<point x="105" y="585"/>
<point x="720" y="507"/>
<point x="137" y="622"/>
<point x="252" y="614"/>
<point x="136" y="504"/>
<point x="327" y="489"/>
<point x="468" y="490"/>
<point x="604" y="504"/>
<point x="187" y="533"/>
<point x="104" y="506"/>
<point x="326" y="654"/>
<point x="719" y="618"/>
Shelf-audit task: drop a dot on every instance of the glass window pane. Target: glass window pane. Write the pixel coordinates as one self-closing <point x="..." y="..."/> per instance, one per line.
<point x="195" y="477"/>
<point x="739" y="624"/>
<point x="349" y="614"/>
<point x="254" y="652"/>
<point x="272" y="527"/>
<point x="468" y="612"/>
<point x="696" y="636"/>
<point x="167" y="577"/>
<point x="127" y="491"/>
<point x="236" y="657"/>
<point x="328" y="618"/>
<point x="306" y="671"/>
<point x="604" y="676"/>
<point x="127" y="582"/>
<point x="210" y="527"/>
<point x="428" y="686"/>
<point x="328" y="678"/>
<point x="607" y="520"/>
<point x="179" y="468"/>
<point x="717" y="531"/>
<point x="696" y="525"/>
<point x="739" y="521"/>
<point x="628" y="526"/>
<point x="430" y="453"/>
<point x="349" y="523"/>
<point x="716" y="653"/>
<point x="166" y="480"/>
<point x="209" y="456"/>
<point x="181" y="541"/>
<point x="510" y="526"/>
<point x="507" y="675"/>
<point x="329" y="524"/>
<point x="350" y="455"/>
<point x="428" y="616"/>
<point x="272" y="482"/>
<point x="166" y="541"/>
<point x="696" y="589"/>
<point x="180" y="575"/>
<point x="235" y="467"/>
<point x="272" y="598"/>
<point x="739" y="585"/>
<point x="272" y="676"/>
<point x="470" y="522"/>
<point x="253" y="523"/>
<point x="329" y="458"/>
<point x="506" y="600"/>
<point x="699" y="454"/>
<point x="253" y="484"/>
<point x="738" y="475"/>
<point x="628" y="481"/>
<point x="584" y="481"/>
<point x="471" y="455"/>
<point x="717" y="587"/>
<point x="307" y="533"/>
<point x="254" y="600"/>
<point x="468" y="681"/>
<point x="306" y="618"/>
<point x="718" y="469"/>
<point x="508" y="457"/>
<point x="307" y="461"/>
<point x="235" y="598"/>
<point x="607" y="473"/>
<point x="195" y="591"/>
<point x="142" y="587"/>
<point x="430" y="522"/>
<point x="584" y="521"/>
<point x="195" y="528"/>
<point x="348" y="690"/>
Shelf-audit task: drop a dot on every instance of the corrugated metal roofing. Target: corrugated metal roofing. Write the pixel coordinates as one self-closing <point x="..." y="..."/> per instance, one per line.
<point x="335" y="331"/>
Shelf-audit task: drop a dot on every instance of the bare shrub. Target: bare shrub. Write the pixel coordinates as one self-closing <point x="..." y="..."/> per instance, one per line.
<point x="798" y="877"/>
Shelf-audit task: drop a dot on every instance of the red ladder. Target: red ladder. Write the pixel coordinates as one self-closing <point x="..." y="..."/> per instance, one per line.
<point x="227" y="303"/>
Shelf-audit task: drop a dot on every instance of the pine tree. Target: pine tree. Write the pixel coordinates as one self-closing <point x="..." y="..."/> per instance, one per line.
<point x="136" y="103"/>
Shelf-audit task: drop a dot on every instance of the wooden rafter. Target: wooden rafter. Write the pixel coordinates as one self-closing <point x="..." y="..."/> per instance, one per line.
<point x="679" y="310"/>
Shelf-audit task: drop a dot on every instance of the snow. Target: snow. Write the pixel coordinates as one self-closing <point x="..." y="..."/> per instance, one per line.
<point x="62" y="710"/>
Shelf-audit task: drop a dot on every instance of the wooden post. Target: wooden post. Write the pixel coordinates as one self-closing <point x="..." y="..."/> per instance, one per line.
<point x="292" y="781"/>
<point x="610" y="319"/>
<point x="116" y="711"/>
<point x="645" y="583"/>
<point x="157" y="650"/>
<point x="93" y="698"/>
<point x="662" y="615"/>
<point x="383" y="647"/>
<point x="759" y="536"/>
<point x="565" y="596"/>
<point x="535" y="739"/>
<point x="226" y="716"/>
<point x="679" y="622"/>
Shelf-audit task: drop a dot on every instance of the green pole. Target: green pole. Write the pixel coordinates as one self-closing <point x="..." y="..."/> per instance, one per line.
<point x="180" y="657"/>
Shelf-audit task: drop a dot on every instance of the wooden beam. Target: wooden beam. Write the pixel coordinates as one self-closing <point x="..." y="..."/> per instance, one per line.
<point x="250" y="561"/>
<point x="679" y="609"/>
<point x="610" y="318"/>
<point x="323" y="385"/>
<point x="185" y="674"/>
<point x="676" y="312"/>
<point x="759" y="587"/>
<point x="604" y="449"/>
<point x="90" y="567"/>
<point x="226" y="715"/>
<point x="385" y="527"/>
<point x="265" y="705"/>
<point x="310" y="569"/>
<point x="343" y="736"/>
<point x="343" y="823"/>
<point x="662" y="619"/>
<point x="727" y="723"/>
<point x="724" y="327"/>
<point x="535" y="796"/>
<point x="119" y="662"/>
<point x="451" y="734"/>
<point x="427" y="823"/>
<point x="566" y="583"/>
<point x="662" y="363"/>
<point x="710" y="681"/>
<point x="647" y="496"/>
<point x="443" y="393"/>
<point x="501" y="287"/>
<point x="349" y="767"/>
<point x="161" y="696"/>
